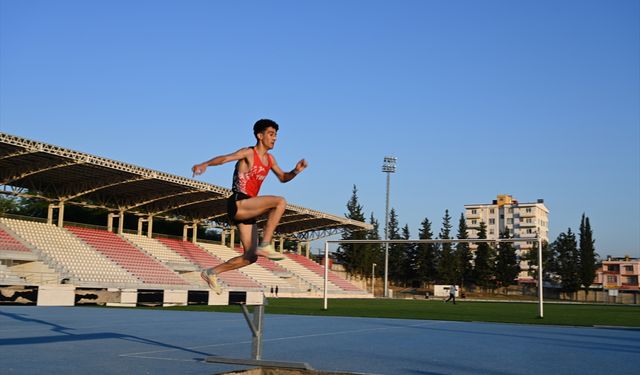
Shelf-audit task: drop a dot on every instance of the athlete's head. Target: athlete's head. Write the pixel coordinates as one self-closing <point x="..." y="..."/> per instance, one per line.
<point x="261" y="125"/>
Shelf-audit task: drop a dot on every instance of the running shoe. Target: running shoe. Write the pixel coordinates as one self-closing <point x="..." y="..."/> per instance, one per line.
<point x="211" y="279"/>
<point x="269" y="252"/>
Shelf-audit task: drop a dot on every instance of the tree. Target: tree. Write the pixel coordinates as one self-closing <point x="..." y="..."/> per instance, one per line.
<point x="375" y="250"/>
<point x="507" y="267"/>
<point x="565" y="248"/>
<point x="407" y="257"/>
<point x="8" y="204"/>
<point x="395" y="250"/>
<point x="483" y="269"/>
<point x="587" y="263"/>
<point x="426" y="255"/>
<point x="548" y="261"/>
<point x="464" y="272"/>
<point x="351" y="255"/>
<point x="447" y="263"/>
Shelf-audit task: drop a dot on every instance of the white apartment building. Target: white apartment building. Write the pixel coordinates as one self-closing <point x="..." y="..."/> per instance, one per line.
<point x="521" y="219"/>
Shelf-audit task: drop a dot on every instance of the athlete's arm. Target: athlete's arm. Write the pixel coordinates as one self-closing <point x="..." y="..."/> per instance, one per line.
<point x="287" y="176"/>
<point x="242" y="153"/>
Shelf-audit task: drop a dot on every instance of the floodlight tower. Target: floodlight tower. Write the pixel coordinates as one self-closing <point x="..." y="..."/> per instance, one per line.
<point x="388" y="167"/>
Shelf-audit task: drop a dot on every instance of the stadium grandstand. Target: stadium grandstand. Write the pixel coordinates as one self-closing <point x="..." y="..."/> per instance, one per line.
<point x="52" y="259"/>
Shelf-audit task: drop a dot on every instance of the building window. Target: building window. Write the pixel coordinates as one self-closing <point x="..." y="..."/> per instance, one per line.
<point x="491" y="231"/>
<point x="509" y="221"/>
<point x="474" y="211"/>
<point x="613" y="268"/>
<point x="528" y="210"/>
<point x="491" y="211"/>
<point x="492" y="221"/>
<point x="612" y="279"/>
<point x="474" y="222"/>
<point x="628" y="268"/>
<point x="633" y="280"/>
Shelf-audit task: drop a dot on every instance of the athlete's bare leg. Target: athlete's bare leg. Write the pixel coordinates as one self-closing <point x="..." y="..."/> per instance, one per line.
<point x="248" y="209"/>
<point x="254" y="207"/>
<point x="249" y="240"/>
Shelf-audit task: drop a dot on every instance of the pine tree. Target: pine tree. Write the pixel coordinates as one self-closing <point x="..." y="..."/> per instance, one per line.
<point x="447" y="263"/>
<point x="8" y="204"/>
<point x="565" y="248"/>
<point x="548" y="261"/>
<point x="483" y="269"/>
<point x="464" y="258"/>
<point x="507" y="267"/>
<point x="351" y="255"/>
<point x="587" y="254"/>
<point x="426" y="255"/>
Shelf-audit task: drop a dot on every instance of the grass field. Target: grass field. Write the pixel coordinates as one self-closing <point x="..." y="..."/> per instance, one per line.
<point x="503" y="312"/>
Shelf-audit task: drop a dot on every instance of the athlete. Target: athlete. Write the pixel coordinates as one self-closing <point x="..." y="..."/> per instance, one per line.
<point x="244" y="205"/>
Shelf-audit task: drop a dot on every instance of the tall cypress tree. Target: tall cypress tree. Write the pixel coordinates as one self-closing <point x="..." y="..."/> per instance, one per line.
<point x="395" y="250"/>
<point x="375" y="250"/>
<point x="447" y="264"/>
<point x="351" y="255"/>
<point x="483" y="269"/>
<point x="426" y="255"/>
<point x="565" y="248"/>
<point x="464" y="258"/>
<point x="587" y="254"/>
<point x="507" y="267"/>
<point x="407" y="257"/>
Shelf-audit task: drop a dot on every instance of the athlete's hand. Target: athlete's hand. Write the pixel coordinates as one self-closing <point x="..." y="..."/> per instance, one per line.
<point x="198" y="169"/>
<point x="300" y="166"/>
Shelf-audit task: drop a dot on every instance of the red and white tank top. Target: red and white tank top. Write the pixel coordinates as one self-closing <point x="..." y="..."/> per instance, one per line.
<point x="249" y="182"/>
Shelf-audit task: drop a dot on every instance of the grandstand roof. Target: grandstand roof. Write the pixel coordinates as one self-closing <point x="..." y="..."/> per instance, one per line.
<point x="39" y="170"/>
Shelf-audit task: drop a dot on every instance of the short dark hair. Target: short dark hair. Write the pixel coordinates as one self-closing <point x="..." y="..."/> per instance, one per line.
<point x="262" y="124"/>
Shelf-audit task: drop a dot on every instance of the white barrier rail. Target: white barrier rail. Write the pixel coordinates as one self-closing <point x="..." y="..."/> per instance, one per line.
<point x="439" y="241"/>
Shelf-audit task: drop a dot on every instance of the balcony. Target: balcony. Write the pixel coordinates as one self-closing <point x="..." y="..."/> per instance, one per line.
<point x="525" y="224"/>
<point x="523" y="213"/>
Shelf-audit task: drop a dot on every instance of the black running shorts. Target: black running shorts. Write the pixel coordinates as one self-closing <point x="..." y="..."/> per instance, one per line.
<point x="232" y="208"/>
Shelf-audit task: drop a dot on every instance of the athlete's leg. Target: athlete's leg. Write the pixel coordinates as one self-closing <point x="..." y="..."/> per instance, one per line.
<point x="249" y="240"/>
<point x="254" y="207"/>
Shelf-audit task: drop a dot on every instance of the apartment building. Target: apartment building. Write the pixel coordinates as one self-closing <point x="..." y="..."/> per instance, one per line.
<point x="619" y="273"/>
<point x="522" y="220"/>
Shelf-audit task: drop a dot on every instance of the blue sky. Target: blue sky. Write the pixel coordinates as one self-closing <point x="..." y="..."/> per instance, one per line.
<point x="537" y="99"/>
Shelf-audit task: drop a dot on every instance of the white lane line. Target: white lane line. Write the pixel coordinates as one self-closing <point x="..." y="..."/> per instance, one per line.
<point x="337" y="333"/>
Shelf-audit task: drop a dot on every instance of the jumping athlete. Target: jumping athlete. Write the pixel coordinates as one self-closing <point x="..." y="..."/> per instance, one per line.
<point x="244" y="205"/>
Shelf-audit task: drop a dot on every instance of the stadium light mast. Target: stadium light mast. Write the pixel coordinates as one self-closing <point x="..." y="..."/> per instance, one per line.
<point x="388" y="167"/>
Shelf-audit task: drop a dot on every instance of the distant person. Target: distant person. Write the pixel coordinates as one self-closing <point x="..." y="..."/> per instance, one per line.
<point x="276" y="291"/>
<point x="272" y="292"/>
<point x="452" y="294"/>
<point x="244" y="205"/>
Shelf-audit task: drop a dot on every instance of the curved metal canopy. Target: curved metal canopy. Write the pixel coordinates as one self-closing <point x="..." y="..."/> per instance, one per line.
<point x="35" y="169"/>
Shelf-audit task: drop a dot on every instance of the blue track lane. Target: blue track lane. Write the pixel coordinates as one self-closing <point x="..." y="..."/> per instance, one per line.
<point x="85" y="340"/>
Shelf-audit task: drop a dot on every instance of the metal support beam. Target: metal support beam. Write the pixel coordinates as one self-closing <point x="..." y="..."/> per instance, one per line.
<point x="256" y="325"/>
